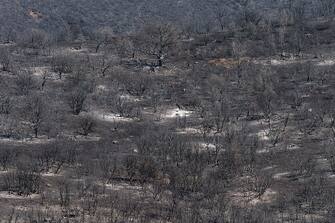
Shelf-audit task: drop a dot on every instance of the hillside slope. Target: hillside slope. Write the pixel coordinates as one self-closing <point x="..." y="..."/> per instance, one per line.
<point x="53" y="15"/>
<point x="122" y="15"/>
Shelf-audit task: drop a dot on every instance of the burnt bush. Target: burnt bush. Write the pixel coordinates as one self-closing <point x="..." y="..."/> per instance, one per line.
<point x="23" y="182"/>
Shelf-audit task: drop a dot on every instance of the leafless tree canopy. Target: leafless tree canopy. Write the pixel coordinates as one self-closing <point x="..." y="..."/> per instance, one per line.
<point x="183" y="111"/>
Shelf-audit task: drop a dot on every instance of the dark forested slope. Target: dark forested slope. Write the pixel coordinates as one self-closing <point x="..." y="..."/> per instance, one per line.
<point x="122" y="15"/>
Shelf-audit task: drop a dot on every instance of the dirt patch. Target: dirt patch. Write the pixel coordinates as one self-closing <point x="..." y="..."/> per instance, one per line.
<point x="174" y="113"/>
<point x="229" y="63"/>
<point x="109" y="117"/>
<point x="34" y="14"/>
<point x="329" y="62"/>
<point x="30" y="141"/>
<point x="6" y="195"/>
